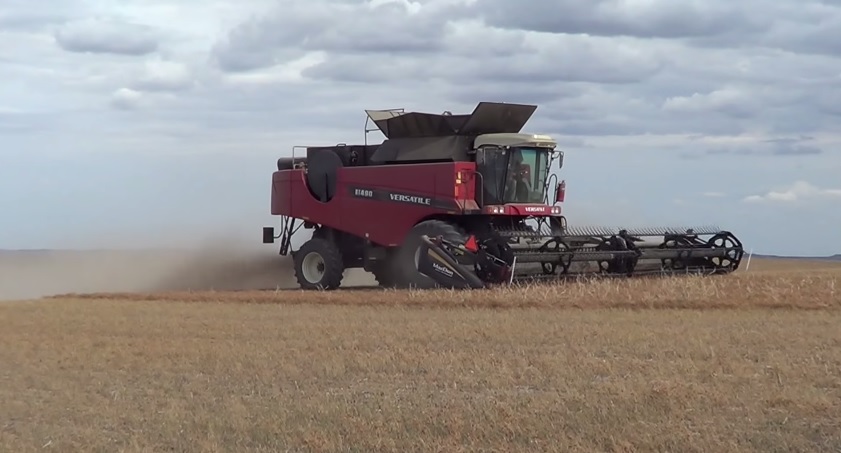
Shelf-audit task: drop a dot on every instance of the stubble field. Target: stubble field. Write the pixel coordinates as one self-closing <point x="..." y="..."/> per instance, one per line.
<point x="747" y="362"/>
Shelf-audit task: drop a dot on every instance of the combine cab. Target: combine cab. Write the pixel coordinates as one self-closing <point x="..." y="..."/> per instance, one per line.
<point x="461" y="201"/>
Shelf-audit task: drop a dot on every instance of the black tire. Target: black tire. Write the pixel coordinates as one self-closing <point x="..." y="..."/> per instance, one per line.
<point x="382" y="274"/>
<point x="318" y="265"/>
<point x="383" y="271"/>
<point x="404" y="265"/>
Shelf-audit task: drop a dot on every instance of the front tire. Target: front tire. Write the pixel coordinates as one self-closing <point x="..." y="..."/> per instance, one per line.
<point x="318" y="265"/>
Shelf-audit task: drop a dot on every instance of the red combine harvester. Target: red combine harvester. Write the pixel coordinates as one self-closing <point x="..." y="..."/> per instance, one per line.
<point x="461" y="201"/>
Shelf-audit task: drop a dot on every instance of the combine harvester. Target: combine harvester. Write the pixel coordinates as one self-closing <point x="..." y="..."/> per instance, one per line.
<point x="461" y="201"/>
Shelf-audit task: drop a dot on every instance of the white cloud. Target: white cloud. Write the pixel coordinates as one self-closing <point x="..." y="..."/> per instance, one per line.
<point x="730" y="100"/>
<point x="162" y="75"/>
<point x="799" y="191"/>
<point x="126" y="99"/>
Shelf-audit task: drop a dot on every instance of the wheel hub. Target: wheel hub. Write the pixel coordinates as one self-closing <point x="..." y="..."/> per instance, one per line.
<point x="313" y="267"/>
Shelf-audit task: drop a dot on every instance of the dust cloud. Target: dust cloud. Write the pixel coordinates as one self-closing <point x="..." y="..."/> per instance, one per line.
<point x="214" y="265"/>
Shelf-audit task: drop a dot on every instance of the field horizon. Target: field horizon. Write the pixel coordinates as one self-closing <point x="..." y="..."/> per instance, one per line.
<point x="27" y="274"/>
<point x="836" y="256"/>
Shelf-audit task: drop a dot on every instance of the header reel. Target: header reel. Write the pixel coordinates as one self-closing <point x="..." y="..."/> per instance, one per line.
<point x="625" y="253"/>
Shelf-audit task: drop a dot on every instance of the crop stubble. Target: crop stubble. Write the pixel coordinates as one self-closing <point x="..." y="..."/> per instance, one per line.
<point x="606" y="366"/>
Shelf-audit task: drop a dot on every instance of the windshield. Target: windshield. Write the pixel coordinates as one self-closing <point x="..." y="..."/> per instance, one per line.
<point x="517" y="175"/>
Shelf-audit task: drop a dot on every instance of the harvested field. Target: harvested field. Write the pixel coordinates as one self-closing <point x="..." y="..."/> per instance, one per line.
<point x="748" y="362"/>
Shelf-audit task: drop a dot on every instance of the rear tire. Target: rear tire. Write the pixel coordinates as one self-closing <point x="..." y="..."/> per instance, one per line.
<point x="404" y="271"/>
<point x="318" y="265"/>
<point x="383" y="275"/>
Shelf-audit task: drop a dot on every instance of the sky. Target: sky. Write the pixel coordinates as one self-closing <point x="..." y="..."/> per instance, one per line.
<point x="145" y="123"/>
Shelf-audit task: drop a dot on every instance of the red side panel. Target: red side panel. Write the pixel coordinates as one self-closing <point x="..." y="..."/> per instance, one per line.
<point x="281" y="201"/>
<point x="382" y="202"/>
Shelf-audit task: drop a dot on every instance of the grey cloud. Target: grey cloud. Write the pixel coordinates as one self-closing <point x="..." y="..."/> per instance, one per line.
<point x="569" y="59"/>
<point x="626" y="125"/>
<point x="657" y="86"/>
<point x="14" y="122"/>
<point x="30" y="21"/>
<point x="792" y="147"/>
<point x="780" y="147"/>
<point x="259" y="42"/>
<point x="521" y="91"/>
<point x="653" y="19"/>
<point x="807" y="26"/>
<point x="827" y="98"/>
<point x="437" y="40"/>
<point x="279" y="109"/>
<point x="795" y="150"/>
<point x="585" y="85"/>
<point x="648" y="86"/>
<point x="22" y="15"/>
<point x="107" y="37"/>
<point x="474" y="39"/>
<point x="233" y="58"/>
<point x="796" y="94"/>
<point x="360" y="69"/>
<point x="624" y="110"/>
<point x="348" y="27"/>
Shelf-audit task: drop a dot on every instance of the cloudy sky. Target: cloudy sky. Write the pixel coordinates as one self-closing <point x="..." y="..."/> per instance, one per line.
<point x="120" y="121"/>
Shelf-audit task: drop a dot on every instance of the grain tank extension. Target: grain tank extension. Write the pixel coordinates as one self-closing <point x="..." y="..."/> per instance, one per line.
<point x="461" y="201"/>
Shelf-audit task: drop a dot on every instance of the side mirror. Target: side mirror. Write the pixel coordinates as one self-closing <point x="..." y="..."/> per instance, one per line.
<point x="560" y="191"/>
